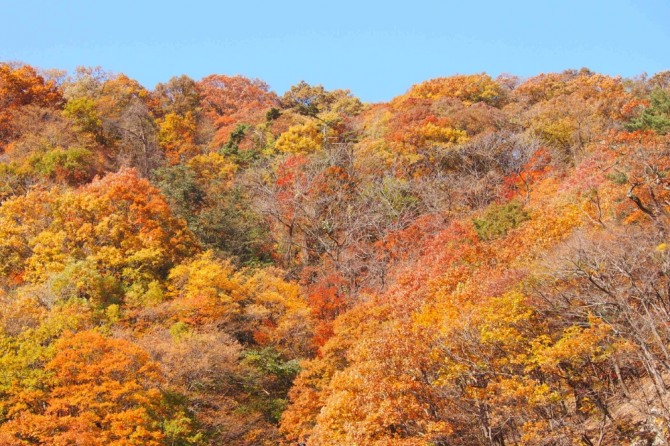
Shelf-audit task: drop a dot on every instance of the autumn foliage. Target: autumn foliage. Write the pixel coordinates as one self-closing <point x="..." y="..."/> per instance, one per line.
<point x="478" y="261"/>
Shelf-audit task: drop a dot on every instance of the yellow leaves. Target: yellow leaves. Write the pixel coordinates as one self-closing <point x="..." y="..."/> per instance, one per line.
<point x="119" y="226"/>
<point x="213" y="166"/>
<point x="469" y="89"/>
<point x="377" y="123"/>
<point x="301" y="139"/>
<point x="49" y="255"/>
<point x="435" y="134"/>
<point x="278" y="311"/>
<point x="109" y="255"/>
<point x="204" y="288"/>
<point x="521" y="391"/>
<point x="21" y="221"/>
<point x="571" y="109"/>
<point x="209" y="290"/>
<point x="202" y="275"/>
<point x="550" y="223"/>
<point x="176" y="136"/>
<point x="554" y="131"/>
<point x="454" y="341"/>
<point x="492" y="335"/>
<point x="578" y="346"/>
<point x="504" y="324"/>
<point x="81" y="279"/>
<point x="344" y="103"/>
<point x="148" y="256"/>
<point x="143" y="295"/>
<point x="315" y="101"/>
<point x="82" y="110"/>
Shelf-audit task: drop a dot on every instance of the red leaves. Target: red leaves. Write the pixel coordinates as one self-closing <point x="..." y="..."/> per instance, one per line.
<point x="232" y="100"/>
<point x="21" y="86"/>
<point x="326" y="301"/>
<point x="289" y="171"/>
<point x="519" y="183"/>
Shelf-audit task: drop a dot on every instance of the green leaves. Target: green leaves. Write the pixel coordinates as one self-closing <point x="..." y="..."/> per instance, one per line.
<point x="270" y="389"/>
<point x="499" y="219"/>
<point x="656" y="117"/>
<point x="268" y="360"/>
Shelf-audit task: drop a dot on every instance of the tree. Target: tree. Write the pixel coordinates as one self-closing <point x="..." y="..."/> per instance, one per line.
<point x="20" y="86"/>
<point x="314" y="100"/>
<point x="570" y="110"/>
<point x="179" y="96"/>
<point x="177" y="137"/>
<point x="103" y="391"/>
<point x="655" y="117"/>
<point x="301" y="139"/>
<point x="120" y="224"/>
<point x="469" y="89"/>
<point x="231" y="100"/>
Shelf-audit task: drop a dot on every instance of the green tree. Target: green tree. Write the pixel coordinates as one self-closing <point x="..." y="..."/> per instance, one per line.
<point x="655" y="117"/>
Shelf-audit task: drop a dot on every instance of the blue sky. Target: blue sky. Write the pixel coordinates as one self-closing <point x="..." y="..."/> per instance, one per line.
<point x="376" y="49"/>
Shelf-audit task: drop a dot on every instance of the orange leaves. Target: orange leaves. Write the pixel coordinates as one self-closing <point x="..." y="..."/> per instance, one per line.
<point x="20" y="86"/>
<point x="572" y="109"/>
<point x="206" y="290"/>
<point x="543" y="87"/>
<point x="230" y="100"/>
<point x="289" y="170"/>
<point x="424" y="311"/>
<point x="102" y="392"/>
<point x="224" y="95"/>
<point x="414" y="129"/>
<point x="534" y="168"/>
<point x="119" y="222"/>
<point x="112" y="367"/>
<point x="378" y="395"/>
<point x="326" y="302"/>
<point x="467" y="88"/>
<point x="20" y="221"/>
<point x="638" y="163"/>
<point x="136" y="207"/>
<point x="119" y="92"/>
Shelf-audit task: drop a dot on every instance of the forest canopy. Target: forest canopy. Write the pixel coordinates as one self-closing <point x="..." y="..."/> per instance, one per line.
<point x="479" y="261"/>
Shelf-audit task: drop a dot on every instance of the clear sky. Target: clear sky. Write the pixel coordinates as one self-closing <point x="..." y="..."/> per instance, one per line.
<point x="377" y="49"/>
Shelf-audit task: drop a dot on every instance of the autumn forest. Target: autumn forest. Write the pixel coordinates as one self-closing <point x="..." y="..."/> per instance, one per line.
<point x="479" y="261"/>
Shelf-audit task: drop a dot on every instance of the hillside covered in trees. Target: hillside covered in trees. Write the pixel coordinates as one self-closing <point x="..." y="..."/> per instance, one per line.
<point x="479" y="261"/>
